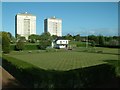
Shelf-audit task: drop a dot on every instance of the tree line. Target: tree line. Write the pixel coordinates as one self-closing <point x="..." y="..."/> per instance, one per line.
<point x="45" y="39"/>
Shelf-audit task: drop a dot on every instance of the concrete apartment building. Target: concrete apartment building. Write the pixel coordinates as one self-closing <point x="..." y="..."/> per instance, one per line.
<point x="53" y="26"/>
<point x="25" y="24"/>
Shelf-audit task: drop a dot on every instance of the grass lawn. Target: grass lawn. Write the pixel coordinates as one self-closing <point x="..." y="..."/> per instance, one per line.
<point x="57" y="68"/>
<point x="65" y="60"/>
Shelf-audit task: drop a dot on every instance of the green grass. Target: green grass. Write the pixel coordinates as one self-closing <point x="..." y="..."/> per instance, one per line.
<point x="19" y="64"/>
<point x="37" y="67"/>
<point x="65" y="60"/>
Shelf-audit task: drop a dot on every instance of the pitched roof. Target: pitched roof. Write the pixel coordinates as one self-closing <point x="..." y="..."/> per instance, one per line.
<point x="59" y="38"/>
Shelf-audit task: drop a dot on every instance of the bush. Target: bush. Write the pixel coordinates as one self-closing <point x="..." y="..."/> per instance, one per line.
<point x="20" y="45"/>
<point x="44" y="44"/>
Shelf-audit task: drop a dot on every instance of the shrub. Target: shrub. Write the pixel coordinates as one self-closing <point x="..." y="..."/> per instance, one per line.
<point x="20" y="45"/>
<point x="31" y="47"/>
<point x="44" y="44"/>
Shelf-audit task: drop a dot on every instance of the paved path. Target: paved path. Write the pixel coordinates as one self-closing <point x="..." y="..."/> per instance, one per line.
<point x="8" y="81"/>
<point x="0" y="78"/>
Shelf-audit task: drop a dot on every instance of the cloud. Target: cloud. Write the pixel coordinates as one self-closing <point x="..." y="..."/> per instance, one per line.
<point x="97" y="31"/>
<point x="106" y="31"/>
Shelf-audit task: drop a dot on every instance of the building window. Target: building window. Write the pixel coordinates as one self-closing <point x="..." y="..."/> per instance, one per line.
<point x="27" y="26"/>
<point x="60" y="42"/>
<point x="66" y="42"/>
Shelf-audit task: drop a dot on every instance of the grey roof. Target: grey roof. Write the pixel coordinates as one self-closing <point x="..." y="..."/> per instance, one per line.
<point x="59" y="38"/>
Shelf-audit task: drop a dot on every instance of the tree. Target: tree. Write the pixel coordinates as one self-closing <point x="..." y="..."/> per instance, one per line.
<point x="33" y="38"/>
<point x="1" y="38"/>
<point x="22" y="39"/>
<point x="68" y="36"/>
<point x="45" y="40"/>
<point x="108" y="39"/>
<point x="20" y="45"/>
<point x="9" y="35"/>
<point x="43" y="44"/>
<point x="94" y="38"/>
<point x="101" y="40"/>
<point x="13" y="39"/>
<point x="54" y="37"/>
<point x="113" y="43"/>
<point x="93" y="43"/>
<point x="115" y="37"/>
<point x="77" y="37"/>
<point x="18" y="36"/>
<point x="0" y="42"/>
<point x="5" y="42"/>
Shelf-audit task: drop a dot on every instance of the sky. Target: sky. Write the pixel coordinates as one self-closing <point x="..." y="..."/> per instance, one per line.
<point x="60" y="0"/>
<point x="84" y="18"/>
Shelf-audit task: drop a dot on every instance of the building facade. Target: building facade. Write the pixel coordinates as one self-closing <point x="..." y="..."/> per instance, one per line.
<point x="25" y="24"/>
<point x="60" y="43"/>
<point x="53" y="26"/>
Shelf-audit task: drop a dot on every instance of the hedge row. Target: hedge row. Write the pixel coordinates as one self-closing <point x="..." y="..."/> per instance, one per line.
<point x="27" y="47"/>
<point x="32" y="77"/>
<point x="108" y="46"/>
<point x="78" y="44"/>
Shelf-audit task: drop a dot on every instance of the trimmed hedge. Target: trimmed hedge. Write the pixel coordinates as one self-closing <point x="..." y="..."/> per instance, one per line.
<point x="79" y="44"/>
<point x="32" y="77"/>
<point x="27" y="47"/>
<point x="109" y="46"/>
<point x="31" y="47"/>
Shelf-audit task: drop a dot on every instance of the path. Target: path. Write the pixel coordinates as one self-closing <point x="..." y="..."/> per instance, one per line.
<point x="8" y="81"/>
